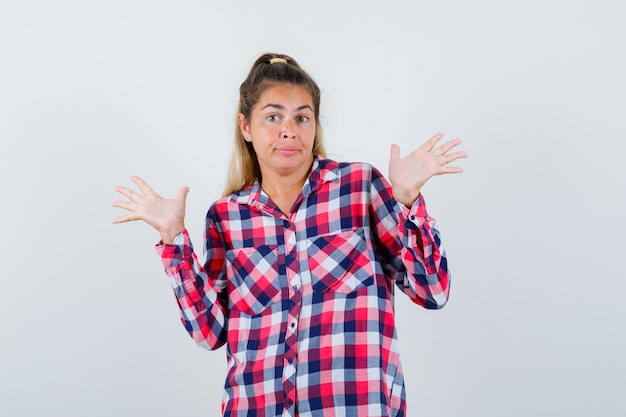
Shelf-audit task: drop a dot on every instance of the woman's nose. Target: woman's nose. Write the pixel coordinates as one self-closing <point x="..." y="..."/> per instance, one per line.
<point x="288" y="130"/>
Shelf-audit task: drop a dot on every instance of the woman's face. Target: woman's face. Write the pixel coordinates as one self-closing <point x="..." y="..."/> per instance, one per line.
<point x="282" y="131"/>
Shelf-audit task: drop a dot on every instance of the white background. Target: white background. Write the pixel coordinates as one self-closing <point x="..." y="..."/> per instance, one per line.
<point x="94" y="92"/>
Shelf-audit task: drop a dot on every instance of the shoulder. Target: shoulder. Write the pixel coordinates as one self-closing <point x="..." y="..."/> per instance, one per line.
<point x="344" y="169"/>
<point x="227" y="203"/>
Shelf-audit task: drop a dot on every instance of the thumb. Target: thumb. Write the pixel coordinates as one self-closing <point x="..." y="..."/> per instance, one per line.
<point x="182" y="193"/>
<point x="395" y="152"/>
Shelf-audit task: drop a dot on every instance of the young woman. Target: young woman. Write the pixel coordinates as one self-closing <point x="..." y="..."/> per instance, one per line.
<point x="301" y="257"/>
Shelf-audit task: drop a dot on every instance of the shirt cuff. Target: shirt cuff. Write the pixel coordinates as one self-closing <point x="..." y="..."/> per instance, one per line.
<point x="174" y="253"/>
<point x="418" y="214"/>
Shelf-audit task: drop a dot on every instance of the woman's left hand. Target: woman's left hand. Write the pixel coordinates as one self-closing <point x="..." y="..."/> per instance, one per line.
<point x="408" y="175"/>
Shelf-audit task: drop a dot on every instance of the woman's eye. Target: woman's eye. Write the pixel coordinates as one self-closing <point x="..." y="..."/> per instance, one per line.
<point x="302" y="119"/>
<point x="272" y="118"/>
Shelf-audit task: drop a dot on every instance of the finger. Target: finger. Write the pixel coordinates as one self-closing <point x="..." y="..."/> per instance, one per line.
<point x="445" y="148"/>
<point x="395" y="152"/>
<point x="128" y="193"/>
<point x="124" y="204"/>
<point x="453" y="157"/>
<point x="125" y="218"/>
<point x="430" y="143"/>
<point x="143" y="186"/>
<point x="443" y="170"/>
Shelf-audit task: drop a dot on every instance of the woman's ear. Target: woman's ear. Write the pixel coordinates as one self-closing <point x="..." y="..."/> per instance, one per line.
<point x="244" y="126"/>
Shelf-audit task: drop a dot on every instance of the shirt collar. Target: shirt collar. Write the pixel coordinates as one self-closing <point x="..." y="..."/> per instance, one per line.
<point x="322" y="171"/>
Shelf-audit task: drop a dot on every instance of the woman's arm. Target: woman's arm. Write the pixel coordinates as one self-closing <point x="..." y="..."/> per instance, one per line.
<point x="409" y="241"/>
<point x="409" y="245"/>
<point x="200" y="291"/>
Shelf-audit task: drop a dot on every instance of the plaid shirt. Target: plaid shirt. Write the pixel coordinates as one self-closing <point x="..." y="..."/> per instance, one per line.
<point x="304" y="302"/>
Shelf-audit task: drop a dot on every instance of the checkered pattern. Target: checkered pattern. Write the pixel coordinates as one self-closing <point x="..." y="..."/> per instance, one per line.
<point x="303" y="302"/>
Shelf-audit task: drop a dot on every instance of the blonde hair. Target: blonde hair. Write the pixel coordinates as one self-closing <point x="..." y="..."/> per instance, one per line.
<point x="267" y="70"/>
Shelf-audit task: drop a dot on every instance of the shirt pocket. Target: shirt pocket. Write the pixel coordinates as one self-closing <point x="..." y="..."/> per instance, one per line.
<point x="253" y="278"/>
<point x="340" y="262"/>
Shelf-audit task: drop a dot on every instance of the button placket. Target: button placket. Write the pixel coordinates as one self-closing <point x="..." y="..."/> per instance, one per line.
<point x="295" y="298"/>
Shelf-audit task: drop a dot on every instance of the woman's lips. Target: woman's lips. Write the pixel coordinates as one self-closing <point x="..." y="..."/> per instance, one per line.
<point x="287" y="151"/>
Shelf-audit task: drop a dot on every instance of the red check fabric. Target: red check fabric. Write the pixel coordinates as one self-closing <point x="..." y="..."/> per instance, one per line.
<point x="303" y="302"/>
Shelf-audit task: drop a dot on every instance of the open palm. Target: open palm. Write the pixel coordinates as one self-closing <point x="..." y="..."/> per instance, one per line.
<point x="409" y="174"/>
<point x="167" y="216"/>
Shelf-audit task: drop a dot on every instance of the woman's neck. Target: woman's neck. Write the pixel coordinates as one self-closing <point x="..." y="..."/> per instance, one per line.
<point x="284" y="190"/>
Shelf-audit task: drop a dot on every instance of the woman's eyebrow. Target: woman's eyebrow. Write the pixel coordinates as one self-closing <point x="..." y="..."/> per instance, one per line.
<point x="281" y="107"/>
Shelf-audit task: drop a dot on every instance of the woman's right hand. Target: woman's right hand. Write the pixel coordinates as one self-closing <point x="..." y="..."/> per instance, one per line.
<point x="167" y="216"/>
